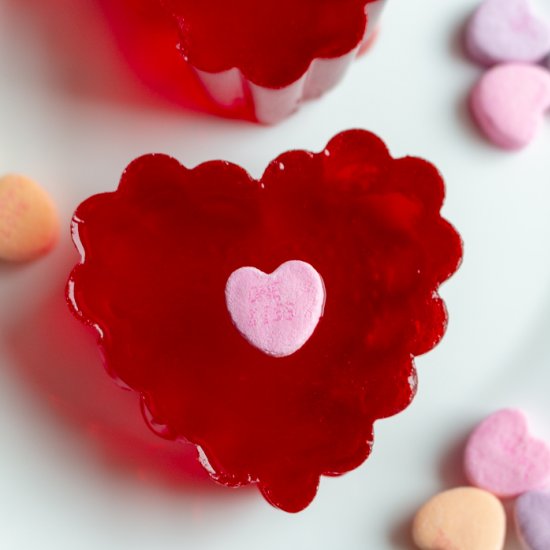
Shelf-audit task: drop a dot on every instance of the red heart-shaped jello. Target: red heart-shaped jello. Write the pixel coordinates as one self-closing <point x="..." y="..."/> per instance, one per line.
<point x="270" y="55"/>
<point x="157" y="255"/>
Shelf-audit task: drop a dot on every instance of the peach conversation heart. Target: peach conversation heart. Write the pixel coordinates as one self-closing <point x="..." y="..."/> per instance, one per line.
<point x="465" y="518"/>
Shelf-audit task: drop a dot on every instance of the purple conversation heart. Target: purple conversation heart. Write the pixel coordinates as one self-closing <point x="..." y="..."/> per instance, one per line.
<point x="504" y="31"/>
<point x="532" y="513"/>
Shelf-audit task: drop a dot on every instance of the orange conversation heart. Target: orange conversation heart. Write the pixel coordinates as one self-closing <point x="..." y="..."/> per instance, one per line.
<point x="29" y="225"/>
<point x="465" y="518"/>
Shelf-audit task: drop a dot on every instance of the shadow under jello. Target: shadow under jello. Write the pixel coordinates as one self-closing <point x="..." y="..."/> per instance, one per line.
<point x="58" y="360"/>
<point x="86" y="55"/>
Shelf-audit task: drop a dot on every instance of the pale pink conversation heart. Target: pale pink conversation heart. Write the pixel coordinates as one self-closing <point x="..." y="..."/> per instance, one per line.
<point x="276" y="313"/>
<point x="503" y="458"/>
<point x="509" y="101"/>
<point x="503" y="31"/>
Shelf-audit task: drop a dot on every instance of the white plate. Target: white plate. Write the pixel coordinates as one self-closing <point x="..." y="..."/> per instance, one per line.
<point x="76" y="474"/>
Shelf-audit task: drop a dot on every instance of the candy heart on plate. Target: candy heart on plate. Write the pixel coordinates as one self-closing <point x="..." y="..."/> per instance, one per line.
<point x="504" y="458"/>
<point x="532" y="515"/>
<point x="509" y="102"/>
<point x="157" y="255"/>
<point x="29" y="225"/>
<point x="277" y="313"/>
<point x="503" y="31"/>
<point x="464" y="518"/>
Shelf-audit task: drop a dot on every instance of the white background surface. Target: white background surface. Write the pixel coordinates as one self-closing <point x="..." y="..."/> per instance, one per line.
<point x="74" y="473"/>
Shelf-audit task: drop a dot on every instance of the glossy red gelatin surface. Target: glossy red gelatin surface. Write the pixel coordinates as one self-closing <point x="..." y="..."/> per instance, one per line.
<point x="157" y="254"/>
<point x="273" y="42"/>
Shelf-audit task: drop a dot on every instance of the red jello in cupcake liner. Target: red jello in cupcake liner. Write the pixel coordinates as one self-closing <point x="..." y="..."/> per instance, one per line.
<point x="157" y="256"/>
<point x="270" y="56"/>
<point x="250" y="59"/>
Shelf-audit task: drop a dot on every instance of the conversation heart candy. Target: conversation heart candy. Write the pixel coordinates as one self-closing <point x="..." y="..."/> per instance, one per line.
<point x="277" y="313"/>
<point x="508" y="103"/>
<point x="465" y="518"/>
<point x="502" y="457"/>
<point x="532" y="515"/>
<point x="502" y="31"/>
<point x="29" y="225"/>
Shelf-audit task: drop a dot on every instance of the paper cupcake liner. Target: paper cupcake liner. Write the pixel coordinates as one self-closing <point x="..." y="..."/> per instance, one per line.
<point x="232" y="91"/>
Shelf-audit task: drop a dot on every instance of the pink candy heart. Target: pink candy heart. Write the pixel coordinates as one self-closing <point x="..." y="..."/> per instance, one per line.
<point x="504" y="459"/>
<point x="276" y="313"/>
<point x="532" y="513"/>
<point x="503" y="31"/>
<point x="509" y="101"/>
